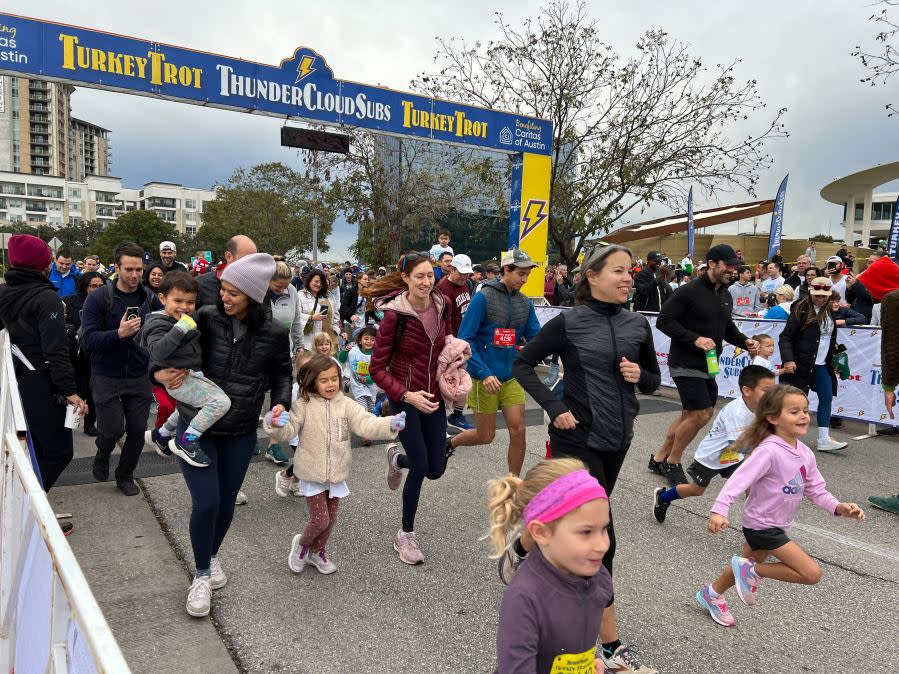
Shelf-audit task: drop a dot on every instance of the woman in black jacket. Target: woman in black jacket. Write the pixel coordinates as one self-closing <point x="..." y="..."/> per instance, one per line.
<point x="247" y="355"/>
<point x="81" y="359"/>
<point x="606" y="351"/>
<point x="33" y="314"/>
<point x="806" y="349"/>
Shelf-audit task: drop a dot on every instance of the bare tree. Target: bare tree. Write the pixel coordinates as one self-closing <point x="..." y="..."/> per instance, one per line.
<point x="390" y="186"/>
<point x="883" y="64"/>
<point x="627" y="133"/>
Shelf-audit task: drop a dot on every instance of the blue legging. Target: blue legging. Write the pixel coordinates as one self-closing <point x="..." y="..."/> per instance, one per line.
<point x="424" y="440"/>
<point x="823" y="386"/>
<point x="213" y="490"/>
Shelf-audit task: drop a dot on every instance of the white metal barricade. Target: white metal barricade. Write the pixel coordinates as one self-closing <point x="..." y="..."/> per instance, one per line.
<point x="49" y="620"/>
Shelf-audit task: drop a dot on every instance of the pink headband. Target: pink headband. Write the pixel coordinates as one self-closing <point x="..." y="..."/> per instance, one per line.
<point x="563" y="495"/>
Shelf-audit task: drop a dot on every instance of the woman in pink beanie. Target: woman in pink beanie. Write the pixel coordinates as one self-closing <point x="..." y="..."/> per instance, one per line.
<point x="246" y="355"/>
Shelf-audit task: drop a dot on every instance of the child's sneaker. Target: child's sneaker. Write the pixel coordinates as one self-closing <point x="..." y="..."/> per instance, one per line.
<point x="366" y="442"/>
<point x="160" y="443"/>
<point x="747" y="580"/>
<point x="284" y="484"/>
<point x="624" y="659"/>
<point x="321" y="562"/>
<point x="276" y="455"/>
<point x="296" y="560"/>
<point x="394" y="472"/>
<point x="187" y="448"/>
<point x="659" y="507"/>
<point x="716" y="607"/>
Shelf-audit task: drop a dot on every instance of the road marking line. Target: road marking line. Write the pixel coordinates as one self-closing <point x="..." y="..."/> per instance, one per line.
<point x="849" y="541"/>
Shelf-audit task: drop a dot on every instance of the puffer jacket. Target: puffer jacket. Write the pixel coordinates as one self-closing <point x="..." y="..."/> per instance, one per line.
<point x="453" y="378"/>
<point x="34" y="316"/>
<point x="244" y="374"/>
<point x="494" y="307"/>
<point x="591" y="339"/>
<point x="800" y="345"/>
<point x="324" y="427"/>
<point x="412" y="366"/>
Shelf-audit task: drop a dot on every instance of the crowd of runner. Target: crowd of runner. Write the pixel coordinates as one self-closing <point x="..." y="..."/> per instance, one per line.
<point x="317" y="353"/>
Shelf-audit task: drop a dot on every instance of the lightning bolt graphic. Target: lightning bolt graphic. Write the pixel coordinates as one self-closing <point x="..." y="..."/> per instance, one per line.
<point x="533" y="216"/>
<point x="305" y="68"/>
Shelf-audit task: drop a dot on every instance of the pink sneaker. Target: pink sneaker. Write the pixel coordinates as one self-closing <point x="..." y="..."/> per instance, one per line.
<point x="407" y="546"/>
<point x="394" y="472"/>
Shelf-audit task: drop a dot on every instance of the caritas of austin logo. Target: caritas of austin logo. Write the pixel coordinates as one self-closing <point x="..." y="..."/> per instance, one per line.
<point x="9" y="46"/>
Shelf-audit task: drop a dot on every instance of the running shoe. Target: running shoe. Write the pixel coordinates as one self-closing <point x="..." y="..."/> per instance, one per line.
<point x="830" y="445"/>
<point x="508" y="565"/>
<point x="199" y="597"/>
<point x="276" y="455"/>
<point x="284" y="484"/>
<point x="321" y="562"/>
<point x="450" y="450"/>
<point x="659" y="507"/>
<point x="747" y="580"/>
<point x="552" y="376"/>
<point x="716" y="607"/>
<point x="67" y="528"/>
<point x="624" y="659"/>
<point x="296" y="560"/>
<point x="394" y="472"/>
<point x="674" y="473"/>
<point x="655" y="466"/>
<point x="406" y="545"/>
<point x="159" y="442"/>
<point x="887" y="503"/>
<point x="188" y="449"/>
<point x="457" y="421"/>
<point x="241" y="498"/>
<point x="217" y="577"/>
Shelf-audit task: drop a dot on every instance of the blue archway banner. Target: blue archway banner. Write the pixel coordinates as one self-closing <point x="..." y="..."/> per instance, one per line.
<point x="303" y="86"/>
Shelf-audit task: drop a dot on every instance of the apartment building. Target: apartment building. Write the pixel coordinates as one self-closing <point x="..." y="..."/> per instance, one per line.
<point x="89" y="150"/>
<point x="56" y="201"/>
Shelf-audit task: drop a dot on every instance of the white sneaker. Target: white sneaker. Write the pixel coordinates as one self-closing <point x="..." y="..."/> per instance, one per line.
<point x="296" y="560"/>
<point x="830" y="445"/>
<point x="321" y="562"/>
<point x="624" y="659"/>
<point x="199" y="597"/>
<point x="217" y="577"/>
<point x="241" y="498"/>
<point x="285" y="485"/>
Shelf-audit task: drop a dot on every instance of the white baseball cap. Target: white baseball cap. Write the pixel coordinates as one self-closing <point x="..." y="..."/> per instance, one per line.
<point x="462" y="264"/>
<point x="167" y="244"/>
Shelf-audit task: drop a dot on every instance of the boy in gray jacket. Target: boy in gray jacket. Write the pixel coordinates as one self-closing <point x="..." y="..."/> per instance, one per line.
<point x="171" y="339"/>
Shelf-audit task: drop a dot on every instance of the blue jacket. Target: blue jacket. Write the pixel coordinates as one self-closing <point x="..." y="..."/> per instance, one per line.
<point x="65" y="286"/>
<point x="112" y="356"/>
<point x="491" y="308"/>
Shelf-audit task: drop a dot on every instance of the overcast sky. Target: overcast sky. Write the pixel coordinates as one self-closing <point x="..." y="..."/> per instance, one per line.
<point x="799" y="51"/>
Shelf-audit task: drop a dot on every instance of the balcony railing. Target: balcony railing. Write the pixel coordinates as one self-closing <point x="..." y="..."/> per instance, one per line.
<point x="31" y="207"/>
<point x="12" y="188"/>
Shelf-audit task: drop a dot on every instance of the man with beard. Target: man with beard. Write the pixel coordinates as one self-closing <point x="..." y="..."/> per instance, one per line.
<point x="698" y="319"/>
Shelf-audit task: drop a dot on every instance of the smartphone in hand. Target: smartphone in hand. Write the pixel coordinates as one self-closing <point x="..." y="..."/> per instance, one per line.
<point x="132" y="312"/>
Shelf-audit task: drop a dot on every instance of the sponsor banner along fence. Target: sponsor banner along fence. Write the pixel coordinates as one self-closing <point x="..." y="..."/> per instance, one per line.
<point x="859" y="397"/>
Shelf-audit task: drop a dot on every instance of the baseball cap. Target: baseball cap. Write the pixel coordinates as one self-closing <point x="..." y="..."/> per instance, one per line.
<point x="821" y="286"/>
<point x="723" y="253"/>
<point x="147" y="257"/>
<point x="654" y="255"/>
<point x="491" y="267"/>
<point x="167" y="244"/>
<point x="834" y="258"/>
<point x="517" y="258"/>
<point x="462" y="263"/>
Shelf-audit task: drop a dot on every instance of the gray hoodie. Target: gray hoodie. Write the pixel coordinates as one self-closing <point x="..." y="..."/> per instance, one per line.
<point x="169" y="346"/>
<point x="746" y="298"/>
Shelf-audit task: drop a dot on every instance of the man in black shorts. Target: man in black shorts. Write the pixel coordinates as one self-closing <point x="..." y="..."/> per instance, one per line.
<point x="698" y="319"/>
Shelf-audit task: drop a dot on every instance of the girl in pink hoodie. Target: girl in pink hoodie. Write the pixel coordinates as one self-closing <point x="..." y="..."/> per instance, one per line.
<point x="780" y="471"/>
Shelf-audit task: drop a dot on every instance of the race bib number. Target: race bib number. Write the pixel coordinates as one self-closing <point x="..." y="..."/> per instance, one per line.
<point x="729" y="456"/>
<point x="742" y="301"/>
<point x="362" y="368"/>
<point x="504" y="337"/>
<point x="575" y="663"/>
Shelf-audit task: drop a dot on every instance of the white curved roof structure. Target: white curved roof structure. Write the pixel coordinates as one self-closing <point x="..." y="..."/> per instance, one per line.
<point x="858" y="189"/>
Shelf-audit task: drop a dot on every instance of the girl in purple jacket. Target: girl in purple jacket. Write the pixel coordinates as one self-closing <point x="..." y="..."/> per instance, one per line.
<point x="550" y="614"/>
<point x="780" y="471"/>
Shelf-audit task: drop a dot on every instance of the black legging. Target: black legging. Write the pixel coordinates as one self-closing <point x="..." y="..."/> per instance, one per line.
<point x="424" y="440"/>
<point x="46" y="422"/>
<point x="604" y="466"/>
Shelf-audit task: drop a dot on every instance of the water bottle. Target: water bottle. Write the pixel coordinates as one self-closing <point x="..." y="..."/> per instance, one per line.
<point x="711" y="361"/>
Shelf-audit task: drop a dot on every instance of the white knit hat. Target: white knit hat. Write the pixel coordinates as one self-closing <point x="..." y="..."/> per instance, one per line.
<point x="251" y="274"/>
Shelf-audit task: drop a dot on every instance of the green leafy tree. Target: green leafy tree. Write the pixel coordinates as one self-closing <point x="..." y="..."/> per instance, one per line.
<point x="272" y="204"/>
<point x="628" y="132"/>
<point x="143" y="227"/>
<point x="80" y="238"/>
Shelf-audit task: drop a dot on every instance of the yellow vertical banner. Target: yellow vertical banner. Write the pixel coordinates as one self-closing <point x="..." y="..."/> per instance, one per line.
<point x="533" y="217"/>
